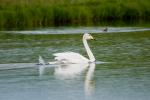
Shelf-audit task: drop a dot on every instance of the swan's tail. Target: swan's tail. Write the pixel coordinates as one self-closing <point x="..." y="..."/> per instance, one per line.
<point x="41" y="61"/>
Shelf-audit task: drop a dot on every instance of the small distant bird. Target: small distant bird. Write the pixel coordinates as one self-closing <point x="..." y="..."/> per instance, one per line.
<point x="105" y="30"/>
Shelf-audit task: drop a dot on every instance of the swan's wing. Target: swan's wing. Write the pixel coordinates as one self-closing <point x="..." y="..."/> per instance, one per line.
<point x="70" y="57"/>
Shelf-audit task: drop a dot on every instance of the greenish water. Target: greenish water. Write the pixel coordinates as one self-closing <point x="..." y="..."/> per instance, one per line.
<point x="125" y="76"/>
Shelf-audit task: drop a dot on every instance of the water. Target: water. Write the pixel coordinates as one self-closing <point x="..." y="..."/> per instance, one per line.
<point x="124" y="76"/>
<point x="77" y="30"/>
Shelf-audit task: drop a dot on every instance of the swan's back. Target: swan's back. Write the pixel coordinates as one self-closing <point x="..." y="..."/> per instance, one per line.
<point x="70" y="57"/>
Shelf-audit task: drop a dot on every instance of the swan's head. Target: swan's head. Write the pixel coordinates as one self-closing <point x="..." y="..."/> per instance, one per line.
<point x="87" y="36"/>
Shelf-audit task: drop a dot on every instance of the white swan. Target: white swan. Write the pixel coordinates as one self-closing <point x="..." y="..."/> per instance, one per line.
<point x="72" y="57"/>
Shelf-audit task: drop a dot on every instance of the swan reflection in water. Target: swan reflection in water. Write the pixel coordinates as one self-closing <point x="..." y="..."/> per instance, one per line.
<point x="89" y="82"/>
<point x="41" y="70"/>
<point x="70" y="71"/>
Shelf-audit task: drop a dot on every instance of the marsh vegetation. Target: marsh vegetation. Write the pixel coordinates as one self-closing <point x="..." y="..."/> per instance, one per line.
<point x="37" y="13"/>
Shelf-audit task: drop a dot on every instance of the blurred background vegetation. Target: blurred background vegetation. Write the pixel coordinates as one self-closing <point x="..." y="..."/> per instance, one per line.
<point x="40" y="13"/>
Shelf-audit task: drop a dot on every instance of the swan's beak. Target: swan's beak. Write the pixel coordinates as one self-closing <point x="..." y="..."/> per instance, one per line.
<point x="91" y="38"/>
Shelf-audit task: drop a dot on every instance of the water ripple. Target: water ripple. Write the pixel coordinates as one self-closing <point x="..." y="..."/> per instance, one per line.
<point x="77" y="30"/>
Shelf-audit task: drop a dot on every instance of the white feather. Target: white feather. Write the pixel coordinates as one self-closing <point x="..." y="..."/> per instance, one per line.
<point x="70" y="57"/>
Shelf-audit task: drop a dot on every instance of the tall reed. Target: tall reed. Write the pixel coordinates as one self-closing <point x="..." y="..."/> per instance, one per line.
<point x="33" y="13"/>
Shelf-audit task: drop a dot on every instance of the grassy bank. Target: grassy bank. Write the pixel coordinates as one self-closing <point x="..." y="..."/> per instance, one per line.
<point x="33" y="13"/>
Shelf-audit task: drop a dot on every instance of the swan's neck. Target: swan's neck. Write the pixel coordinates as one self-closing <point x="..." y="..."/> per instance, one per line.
<point x="88" y="50"/>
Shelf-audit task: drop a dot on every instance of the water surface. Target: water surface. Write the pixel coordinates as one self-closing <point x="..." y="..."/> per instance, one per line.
<point x="125" y="76"/>
<point x="78" y="30"/>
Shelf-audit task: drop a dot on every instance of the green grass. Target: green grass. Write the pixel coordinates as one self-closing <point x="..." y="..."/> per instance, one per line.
<point x="37" y="13"/>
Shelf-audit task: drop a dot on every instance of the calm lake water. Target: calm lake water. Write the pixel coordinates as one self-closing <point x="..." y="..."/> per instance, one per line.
<point x="125" y="75"/>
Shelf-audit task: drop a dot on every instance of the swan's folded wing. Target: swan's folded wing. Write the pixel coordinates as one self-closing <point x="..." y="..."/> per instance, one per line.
<point x="70" y="57"/>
